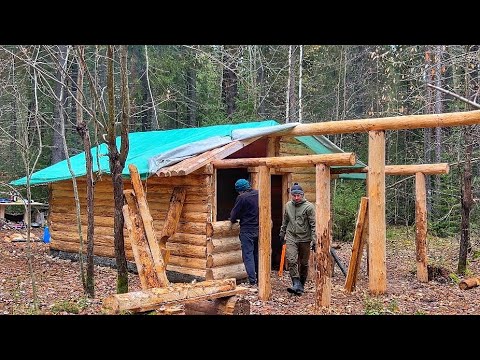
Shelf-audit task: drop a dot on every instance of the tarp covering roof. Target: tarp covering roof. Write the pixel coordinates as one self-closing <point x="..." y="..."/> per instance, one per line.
<point x="152" y="150"/>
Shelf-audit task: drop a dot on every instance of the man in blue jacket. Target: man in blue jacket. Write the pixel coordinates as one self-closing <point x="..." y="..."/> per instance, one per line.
<point x="246" y="209"/>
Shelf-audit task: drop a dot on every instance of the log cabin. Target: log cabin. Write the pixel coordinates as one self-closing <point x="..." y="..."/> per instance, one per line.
<point x="203" y="246"/>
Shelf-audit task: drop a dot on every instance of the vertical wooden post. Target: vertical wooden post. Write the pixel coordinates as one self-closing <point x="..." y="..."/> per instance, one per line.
<point x="323" y="268"/>
<point x="377" y="279"/>
<point x="265" y="234"/>
<point x="421" y="227"/>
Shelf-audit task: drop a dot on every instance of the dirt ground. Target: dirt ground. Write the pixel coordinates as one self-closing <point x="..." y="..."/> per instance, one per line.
<point x="59" y="289"/>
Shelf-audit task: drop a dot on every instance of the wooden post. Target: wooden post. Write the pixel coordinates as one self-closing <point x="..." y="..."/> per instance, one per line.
<point x="377" y="280"/>
<point x="357" y="247"/>
<point x="421" y="226"/>
<point x="265" y="234"/>
<point x="323" y="268"/>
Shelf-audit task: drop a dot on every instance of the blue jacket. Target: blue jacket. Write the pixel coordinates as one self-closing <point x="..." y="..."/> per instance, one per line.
<point x="246" y="209"/>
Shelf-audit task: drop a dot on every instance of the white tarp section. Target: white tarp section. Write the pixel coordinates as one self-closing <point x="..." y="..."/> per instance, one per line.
<point x="183" y="152"/>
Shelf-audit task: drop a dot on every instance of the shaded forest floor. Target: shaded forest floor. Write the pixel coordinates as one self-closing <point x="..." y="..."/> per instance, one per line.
<point x="59" y="287"/>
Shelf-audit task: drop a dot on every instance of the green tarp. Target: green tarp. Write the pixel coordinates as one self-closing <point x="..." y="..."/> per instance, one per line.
<point x="146" y="147"/>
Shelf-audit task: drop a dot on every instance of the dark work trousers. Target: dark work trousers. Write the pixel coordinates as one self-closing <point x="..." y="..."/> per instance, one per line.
<point x="249" y="242"/>
<point x="297" y="255"/>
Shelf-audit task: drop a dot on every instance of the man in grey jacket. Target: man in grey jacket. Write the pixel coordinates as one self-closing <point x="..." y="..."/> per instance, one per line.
<point x="298" y="232"/>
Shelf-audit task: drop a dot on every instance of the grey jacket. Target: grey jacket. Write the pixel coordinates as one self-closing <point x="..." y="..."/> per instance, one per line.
<point x="299" y="221"/>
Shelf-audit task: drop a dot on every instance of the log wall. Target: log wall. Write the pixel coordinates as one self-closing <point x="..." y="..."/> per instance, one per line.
<point x="188" y="246"/>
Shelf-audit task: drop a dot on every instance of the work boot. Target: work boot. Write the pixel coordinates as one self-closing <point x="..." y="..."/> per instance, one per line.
<point x="297" y="287"/>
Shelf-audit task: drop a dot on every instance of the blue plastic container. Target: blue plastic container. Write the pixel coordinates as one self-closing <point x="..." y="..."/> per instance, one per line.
<point x="46" y="235"/>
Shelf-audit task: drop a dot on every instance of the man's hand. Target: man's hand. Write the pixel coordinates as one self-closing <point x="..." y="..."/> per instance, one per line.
<point x="282" y="238"/>
<point x="313" y="245"/>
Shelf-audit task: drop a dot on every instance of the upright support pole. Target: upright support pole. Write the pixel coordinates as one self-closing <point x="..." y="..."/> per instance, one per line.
<point x="377" y="280"/>
<point x="421" y="227"/>
<point x="265" y="234"/>
<point x="323" y="268"/>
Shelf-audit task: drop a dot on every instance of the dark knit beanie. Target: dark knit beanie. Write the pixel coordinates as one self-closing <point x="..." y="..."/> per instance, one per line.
<point x="242" y="185"/>
<point x="296" y="189"/>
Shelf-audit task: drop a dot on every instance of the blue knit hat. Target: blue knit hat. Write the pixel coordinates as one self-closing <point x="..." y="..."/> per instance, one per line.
<point x="296" y="189"/>
<point x="242" y="185"/>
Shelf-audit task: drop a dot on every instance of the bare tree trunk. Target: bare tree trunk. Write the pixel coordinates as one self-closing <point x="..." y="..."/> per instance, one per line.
<point x="191" y="96"/>
<point x="427" y="140"/>
<point x="117" y="162"/>
<point x="230" y="80"/>
<point x="300" y="68"/>
<point x="261" y="88"/>
<point x="438" y="109"/>
<point x="291" y="108"/>
<point x="82" y="129"/>
<point x="467" y="201"/>
<point x="58" y="152"/>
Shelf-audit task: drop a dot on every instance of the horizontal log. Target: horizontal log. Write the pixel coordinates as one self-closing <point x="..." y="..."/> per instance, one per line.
<point x="186" y="250"/>
<point x="285" y="161"/>
<point x="236" y="271"/>
<point x="386" y="123"/>
<point x="67" y="196"/>
<point x="200" y="273"/>
<point x="221" y="245"/>
<point x="220" y="229"/>
<point x="189" y="262"/>
<point x="150" y="299"/>
<point x="427" y="169"/>
<point x="185" y="216"/>
<point x="224" y="258"/>
<point x="232" y="305"/>
<point x="469" y="283"/>
<point x="106" y="251"/>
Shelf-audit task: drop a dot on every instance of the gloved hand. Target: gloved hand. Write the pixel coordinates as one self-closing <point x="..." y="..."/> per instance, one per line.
<point x="313" y="245"/>
<point x="282" y="239"/>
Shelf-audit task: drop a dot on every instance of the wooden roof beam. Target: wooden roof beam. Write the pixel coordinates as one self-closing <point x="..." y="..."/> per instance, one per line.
<point x="288" y="161"/>
<point x="427" y="169"/>
<point x="386" y="123"/>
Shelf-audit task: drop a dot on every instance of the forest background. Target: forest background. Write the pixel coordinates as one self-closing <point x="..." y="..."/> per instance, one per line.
<point x="176" y="86"/>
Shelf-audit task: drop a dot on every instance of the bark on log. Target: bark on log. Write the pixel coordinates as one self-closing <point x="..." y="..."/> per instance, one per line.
<point x="232" y="305"/>
<point x="469" y="283"/>
<point x="141" y="203"/>
<point x="140" y="248"/>
<point x="149" y="299"/>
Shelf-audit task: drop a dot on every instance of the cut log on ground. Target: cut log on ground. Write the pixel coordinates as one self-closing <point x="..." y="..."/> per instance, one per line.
<point x="232" y="305"/>
<point x="469" y="283"/>
<point x="150" y="299"/>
